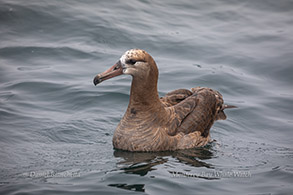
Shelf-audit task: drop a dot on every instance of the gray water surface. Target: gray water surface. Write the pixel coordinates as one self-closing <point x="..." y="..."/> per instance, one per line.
<point x="56" y="127"/>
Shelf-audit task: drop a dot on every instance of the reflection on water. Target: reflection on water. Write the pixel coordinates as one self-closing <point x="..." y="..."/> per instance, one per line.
<point x="141" y="163"/>
<point x="134" y="187"/>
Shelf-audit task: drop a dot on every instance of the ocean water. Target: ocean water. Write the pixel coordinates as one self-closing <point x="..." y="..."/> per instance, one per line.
<point x="56" y="127"/>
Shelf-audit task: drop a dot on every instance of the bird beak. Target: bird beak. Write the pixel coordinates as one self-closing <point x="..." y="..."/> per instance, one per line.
<point x="114" y="71"/>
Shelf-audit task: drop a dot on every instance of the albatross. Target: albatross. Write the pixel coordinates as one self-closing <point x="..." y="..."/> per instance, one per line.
<point x="180" y="120"/>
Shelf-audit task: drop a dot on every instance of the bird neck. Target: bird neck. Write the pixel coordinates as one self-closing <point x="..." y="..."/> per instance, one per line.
<point x="144" y="93"/>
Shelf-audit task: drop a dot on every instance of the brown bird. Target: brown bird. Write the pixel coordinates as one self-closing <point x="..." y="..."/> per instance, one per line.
<point x="180" y="120"/>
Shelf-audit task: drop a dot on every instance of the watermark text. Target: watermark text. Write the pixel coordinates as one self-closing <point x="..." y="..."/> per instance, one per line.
<point x="213" y="174"/>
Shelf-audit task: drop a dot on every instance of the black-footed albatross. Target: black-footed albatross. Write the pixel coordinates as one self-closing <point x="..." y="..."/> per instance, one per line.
<point x="179" y="120"/>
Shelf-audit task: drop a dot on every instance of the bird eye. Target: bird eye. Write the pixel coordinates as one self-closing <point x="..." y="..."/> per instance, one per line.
<point x="131" y="61"/>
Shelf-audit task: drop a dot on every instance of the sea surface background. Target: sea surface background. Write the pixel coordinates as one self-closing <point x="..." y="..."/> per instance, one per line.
<point x="56" y="127"/>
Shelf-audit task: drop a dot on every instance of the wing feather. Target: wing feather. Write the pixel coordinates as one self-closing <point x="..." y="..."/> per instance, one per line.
<point x="197" y="112"/>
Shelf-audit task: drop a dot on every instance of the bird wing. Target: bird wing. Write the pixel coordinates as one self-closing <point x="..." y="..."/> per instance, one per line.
<point x="174" y="97"/>
<point x="197" y="112"/>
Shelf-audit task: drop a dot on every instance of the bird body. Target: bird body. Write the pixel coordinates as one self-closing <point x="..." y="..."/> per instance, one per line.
<point x="180" y="120"/>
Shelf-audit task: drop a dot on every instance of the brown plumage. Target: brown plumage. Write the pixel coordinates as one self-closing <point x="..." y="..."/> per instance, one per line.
<point x="179" y="120"/>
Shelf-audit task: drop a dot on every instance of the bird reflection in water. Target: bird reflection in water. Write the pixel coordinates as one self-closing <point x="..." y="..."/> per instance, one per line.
<point x="141" y="163"/>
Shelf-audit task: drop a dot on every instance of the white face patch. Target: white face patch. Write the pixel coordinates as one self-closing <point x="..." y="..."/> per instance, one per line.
<point x="129" y="54"/>
<point x="123" y="58"/>
<point x="123" y="62"/>
<point x="131" y="69"/>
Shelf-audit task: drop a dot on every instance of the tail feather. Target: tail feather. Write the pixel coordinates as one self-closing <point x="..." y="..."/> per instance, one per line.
<point x="221" y="115"/>
<point x="228" y="106"/>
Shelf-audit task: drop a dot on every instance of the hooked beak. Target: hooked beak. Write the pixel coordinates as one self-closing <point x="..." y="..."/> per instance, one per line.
<point x="114" y="71"/>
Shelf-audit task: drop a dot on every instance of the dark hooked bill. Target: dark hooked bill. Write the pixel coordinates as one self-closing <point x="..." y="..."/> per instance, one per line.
<point x="114" y="71"/>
